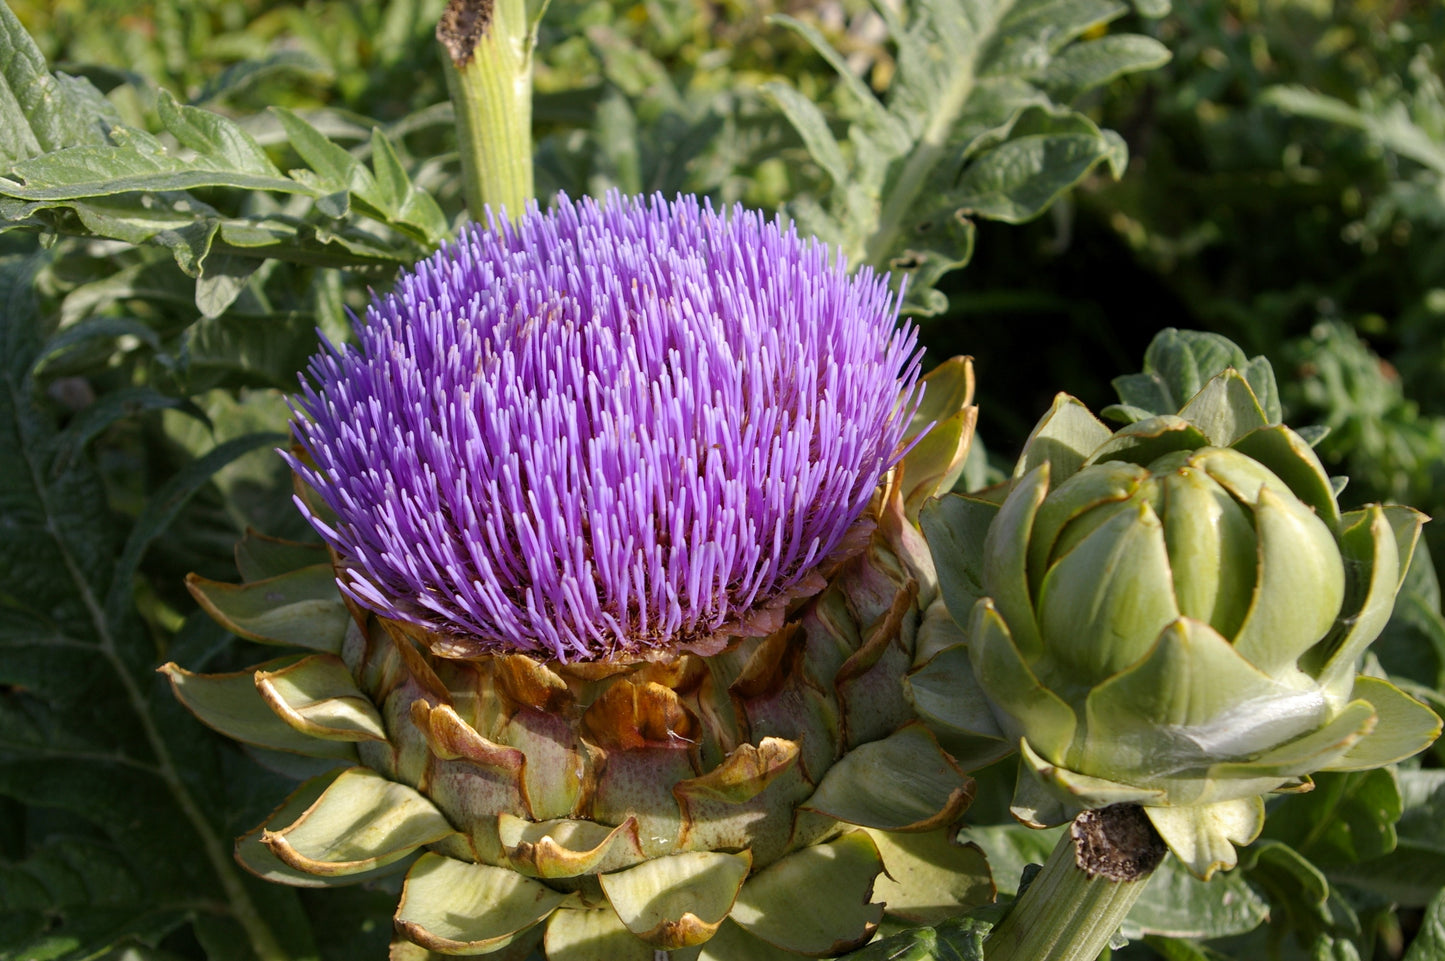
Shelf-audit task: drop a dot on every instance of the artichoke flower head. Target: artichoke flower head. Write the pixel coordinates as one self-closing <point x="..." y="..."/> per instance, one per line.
<point x="1172" y="614"/>
<point x="624" y="578"/>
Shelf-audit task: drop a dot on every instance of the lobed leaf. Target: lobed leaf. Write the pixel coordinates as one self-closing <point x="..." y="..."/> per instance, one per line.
<point x="86" y="720"/>
<point x="976" y="123"/>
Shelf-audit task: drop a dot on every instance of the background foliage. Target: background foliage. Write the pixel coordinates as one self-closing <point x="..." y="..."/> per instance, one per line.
<point x="240" y="173"/>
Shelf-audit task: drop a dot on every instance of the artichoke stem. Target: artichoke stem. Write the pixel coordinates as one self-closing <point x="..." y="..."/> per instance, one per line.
<point x="1093" y="877"/>
<point x="488" y="63"/>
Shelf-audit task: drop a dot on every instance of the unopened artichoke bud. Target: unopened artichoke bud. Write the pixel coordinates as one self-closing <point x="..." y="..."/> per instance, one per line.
<point x="625" y="579"/>
<point x="1171" y="615"/>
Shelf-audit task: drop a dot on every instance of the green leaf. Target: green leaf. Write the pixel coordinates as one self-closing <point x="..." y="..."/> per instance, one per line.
<point x="360" y="823"/>
<point x="71" y="167"/>
<point x="955" y="527"/>
<point x="1010" y="849"/>
<point x="1412" y="645"/>
<point x="253" y="855"/>
<point x="301" y="607"/>
<point x="1414" y="870"/>
<point x="318" y="696"/>
<point x="1225" y="409"/>
<point x="1064" y="438"/>
<point x="40" y="112"/>
<point x="231" y="704"/>
<point x="1043" y="157"/>
<point x="1084" y="66"/>
<point x="1204" y="836"/>
<point x="960" y="939"/>
<point x="222" y="278"/>
<point x="1177" y="904"/>
<point x="976" y="122"/>
<point x="215" y="139"/>
<point x="1429" y="943"/>
<point x="73" y="173"/>
<point x="950" y="701"/>
<point x="334" y="166"/>
<point x="259" y="557"/>
<point x="812" y="126"/>
<point x="931" y="877"/>
<point x="89" y="721"/>
<point x="1298" y="893"/>
<point x="1392" y="129"/>
<point x="1345" y="819"/>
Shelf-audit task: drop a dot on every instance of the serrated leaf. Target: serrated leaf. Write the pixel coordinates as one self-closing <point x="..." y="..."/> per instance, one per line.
<point x="71" y="167"/>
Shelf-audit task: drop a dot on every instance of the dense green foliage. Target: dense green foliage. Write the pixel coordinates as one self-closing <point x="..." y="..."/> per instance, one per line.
<point x="170" y="243"/>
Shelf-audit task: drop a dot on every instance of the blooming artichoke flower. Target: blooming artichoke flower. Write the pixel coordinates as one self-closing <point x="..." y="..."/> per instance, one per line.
<point x="1172" y="615"/>
<point x="621" y="502"/>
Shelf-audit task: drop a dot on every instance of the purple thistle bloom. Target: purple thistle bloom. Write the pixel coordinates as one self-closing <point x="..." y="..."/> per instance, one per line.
<point x="602" y="429"/>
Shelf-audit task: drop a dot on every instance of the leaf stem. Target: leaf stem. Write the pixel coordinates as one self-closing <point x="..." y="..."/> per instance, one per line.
<point x="488" y="65"/>
<point x="1077" y="902"/>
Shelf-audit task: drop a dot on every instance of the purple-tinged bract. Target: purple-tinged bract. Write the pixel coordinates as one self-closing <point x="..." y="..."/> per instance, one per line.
<point x="606" y="428"/>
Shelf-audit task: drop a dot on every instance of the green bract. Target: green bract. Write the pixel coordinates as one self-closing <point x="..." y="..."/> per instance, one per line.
<point x="771" y="800"/>
<point x="1171" y="615"/>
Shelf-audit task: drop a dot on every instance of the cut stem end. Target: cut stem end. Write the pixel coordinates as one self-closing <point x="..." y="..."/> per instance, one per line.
<point x="488" y="64"/>
<point x="1093" y="877"/>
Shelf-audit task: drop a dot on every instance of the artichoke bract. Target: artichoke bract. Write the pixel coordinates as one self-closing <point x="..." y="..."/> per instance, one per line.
<point x="1172" y="615"/>
<point x="624" y="578"/>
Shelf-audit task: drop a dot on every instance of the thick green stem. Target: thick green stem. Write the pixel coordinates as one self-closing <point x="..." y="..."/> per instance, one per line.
<point x="488" y="63"/>
<point x="1070" y="911"/>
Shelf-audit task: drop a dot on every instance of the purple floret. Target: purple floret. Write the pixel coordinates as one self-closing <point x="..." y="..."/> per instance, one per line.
<point x="603" y="429"/>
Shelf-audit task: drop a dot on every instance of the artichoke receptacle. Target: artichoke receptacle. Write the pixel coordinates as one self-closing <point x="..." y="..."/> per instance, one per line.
<point x="1171" y="614"/>
<point x="625" y="577"/>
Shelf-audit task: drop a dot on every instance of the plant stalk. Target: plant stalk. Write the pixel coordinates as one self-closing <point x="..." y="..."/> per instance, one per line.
<point x="1093" y="877"/>
<point x="488" y="63"/>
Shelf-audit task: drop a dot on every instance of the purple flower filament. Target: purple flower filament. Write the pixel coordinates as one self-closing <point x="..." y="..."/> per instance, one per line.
<point x="605" y="428"/>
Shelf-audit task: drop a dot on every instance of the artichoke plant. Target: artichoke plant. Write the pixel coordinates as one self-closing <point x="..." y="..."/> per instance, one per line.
<point x="624" y="575"/>
<point x="1172" y="615"/>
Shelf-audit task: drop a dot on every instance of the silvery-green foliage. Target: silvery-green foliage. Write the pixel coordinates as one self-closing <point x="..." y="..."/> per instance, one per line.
<point x="69" y="165"/>
<point x="977" y="122"/>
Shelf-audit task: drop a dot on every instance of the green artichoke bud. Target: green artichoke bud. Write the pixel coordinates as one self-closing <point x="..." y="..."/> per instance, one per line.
<point x="1171" y="614"/>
